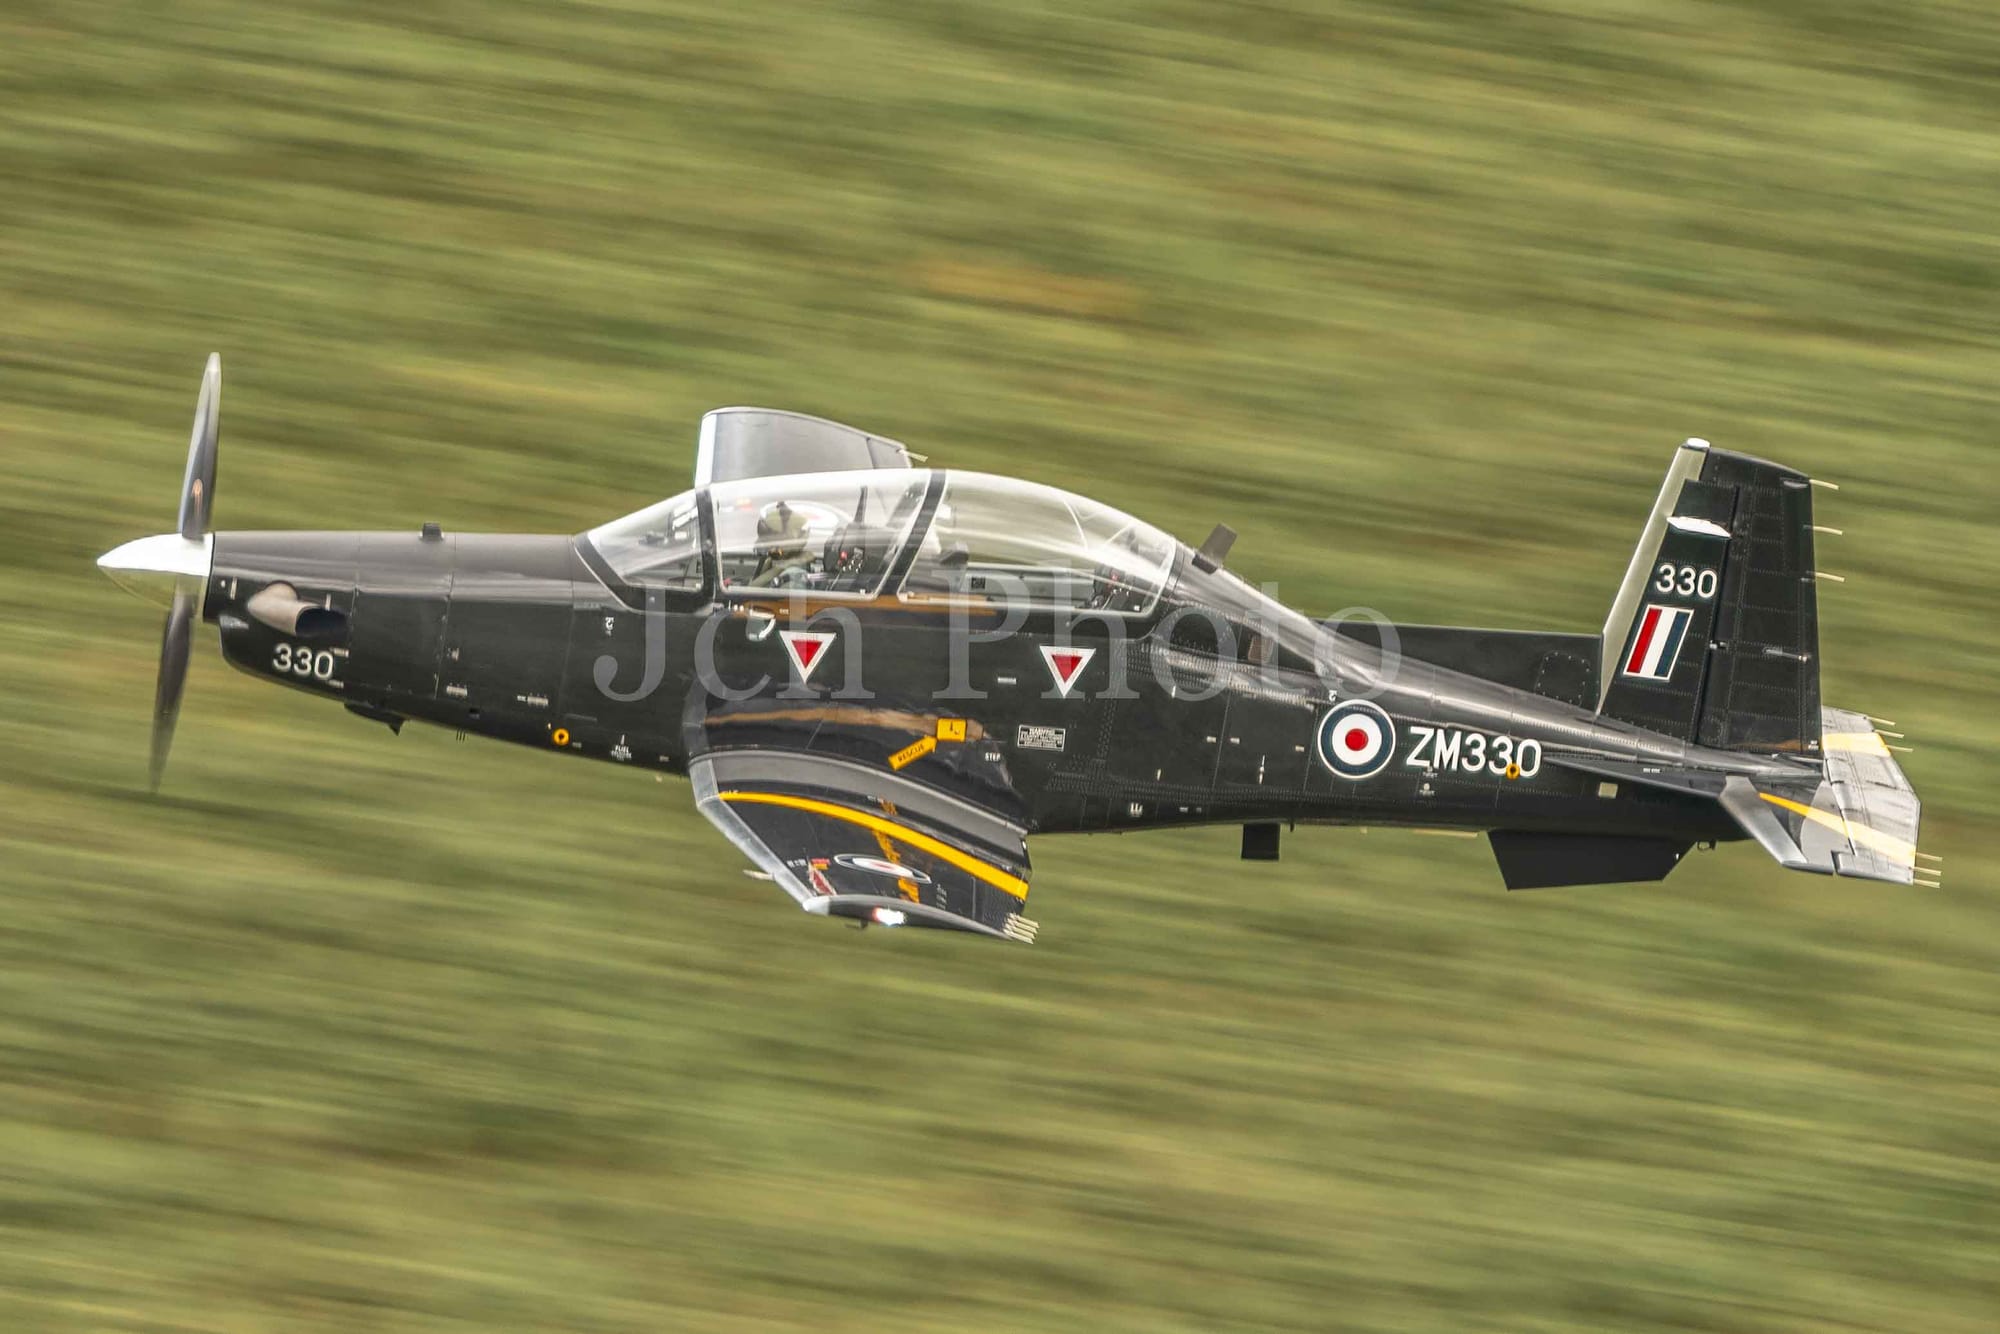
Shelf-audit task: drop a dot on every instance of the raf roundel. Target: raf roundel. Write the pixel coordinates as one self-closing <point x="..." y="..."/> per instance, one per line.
<point x="1356" y="740"/>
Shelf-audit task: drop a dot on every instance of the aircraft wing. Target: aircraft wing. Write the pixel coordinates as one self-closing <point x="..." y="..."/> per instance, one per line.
<point x="846" y="841"/>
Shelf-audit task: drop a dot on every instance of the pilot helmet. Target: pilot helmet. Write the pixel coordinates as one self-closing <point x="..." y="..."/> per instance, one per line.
<point x="780" y="526"/>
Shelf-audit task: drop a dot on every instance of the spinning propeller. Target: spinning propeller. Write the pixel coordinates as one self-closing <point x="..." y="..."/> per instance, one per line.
<point x="173" y="567"/>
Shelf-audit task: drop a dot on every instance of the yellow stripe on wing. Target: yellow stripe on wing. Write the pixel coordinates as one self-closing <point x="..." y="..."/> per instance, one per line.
<point x="944" y="852"/>
<point x="1860" y="835"/>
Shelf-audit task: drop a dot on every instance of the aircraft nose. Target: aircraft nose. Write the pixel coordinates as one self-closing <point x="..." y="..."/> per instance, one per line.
<point x="152" y="567"/>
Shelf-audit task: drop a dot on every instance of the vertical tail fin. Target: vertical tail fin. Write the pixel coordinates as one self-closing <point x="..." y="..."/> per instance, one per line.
<point x="1714" y="635"/>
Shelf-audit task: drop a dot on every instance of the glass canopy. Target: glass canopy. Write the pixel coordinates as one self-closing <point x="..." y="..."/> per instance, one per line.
<point x="1001" y="539"/>
<point x="989" y="539"/>
<point x="659" y="547"/>
<point x="833" y="532"/>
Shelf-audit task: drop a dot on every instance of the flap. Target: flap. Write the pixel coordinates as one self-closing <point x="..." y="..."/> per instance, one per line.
<point x="846" y="841"/>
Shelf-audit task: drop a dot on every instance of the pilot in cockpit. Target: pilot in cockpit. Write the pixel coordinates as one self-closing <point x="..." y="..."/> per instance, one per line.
<point x="783" y="546"/>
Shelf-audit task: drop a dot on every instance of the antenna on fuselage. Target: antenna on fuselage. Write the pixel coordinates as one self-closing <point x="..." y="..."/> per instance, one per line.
<point x="1208" y="559"/>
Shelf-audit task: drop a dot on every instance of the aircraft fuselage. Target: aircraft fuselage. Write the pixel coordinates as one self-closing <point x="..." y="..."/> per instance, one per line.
<point x="1221" y="706"/>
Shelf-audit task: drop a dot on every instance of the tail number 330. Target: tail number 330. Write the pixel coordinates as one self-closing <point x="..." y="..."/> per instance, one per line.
<point x="1688" y="581"/>
<point x="300" y="661"/>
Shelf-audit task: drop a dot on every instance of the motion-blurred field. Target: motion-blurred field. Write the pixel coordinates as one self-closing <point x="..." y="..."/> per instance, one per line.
<point x="353" y="1032"/>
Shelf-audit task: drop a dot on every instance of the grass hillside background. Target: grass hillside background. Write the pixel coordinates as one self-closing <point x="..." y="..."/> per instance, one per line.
<point x="353" y="1032"/>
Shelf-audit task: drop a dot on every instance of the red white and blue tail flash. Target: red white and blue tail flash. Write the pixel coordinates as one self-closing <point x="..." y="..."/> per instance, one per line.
<point x="1657" y="646"/>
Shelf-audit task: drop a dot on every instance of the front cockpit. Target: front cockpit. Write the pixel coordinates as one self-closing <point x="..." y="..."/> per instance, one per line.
<point x="836" y="534"/>
<point x="915" y="534"/>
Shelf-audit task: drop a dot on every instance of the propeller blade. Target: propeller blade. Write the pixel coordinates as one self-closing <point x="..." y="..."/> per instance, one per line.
<point x="175" y="642"/>
<point x="198" y="487"/>
<point x="175" y="566"/>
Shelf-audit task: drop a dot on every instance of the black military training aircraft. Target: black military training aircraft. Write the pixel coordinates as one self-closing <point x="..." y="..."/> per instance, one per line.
<point x="882" y="678"/>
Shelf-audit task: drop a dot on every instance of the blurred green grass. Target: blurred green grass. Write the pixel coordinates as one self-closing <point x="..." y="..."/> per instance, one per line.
<point x="346" y="1032"/>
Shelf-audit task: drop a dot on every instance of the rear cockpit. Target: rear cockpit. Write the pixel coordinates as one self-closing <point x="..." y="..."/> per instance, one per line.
<point x="1005" y="539"/>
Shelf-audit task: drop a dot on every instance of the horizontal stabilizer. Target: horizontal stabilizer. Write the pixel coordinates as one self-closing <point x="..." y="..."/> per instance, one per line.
<point x="1759" y="819"/>
<point x="1860" y="821"/>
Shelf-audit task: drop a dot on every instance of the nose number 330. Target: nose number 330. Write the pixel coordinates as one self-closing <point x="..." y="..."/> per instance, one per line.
<point x="300" y="661"/>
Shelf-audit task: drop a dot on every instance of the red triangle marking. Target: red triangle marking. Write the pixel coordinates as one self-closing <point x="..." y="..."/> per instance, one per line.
<point x="806" y="648"/>
<point x="1066" y="664"/>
